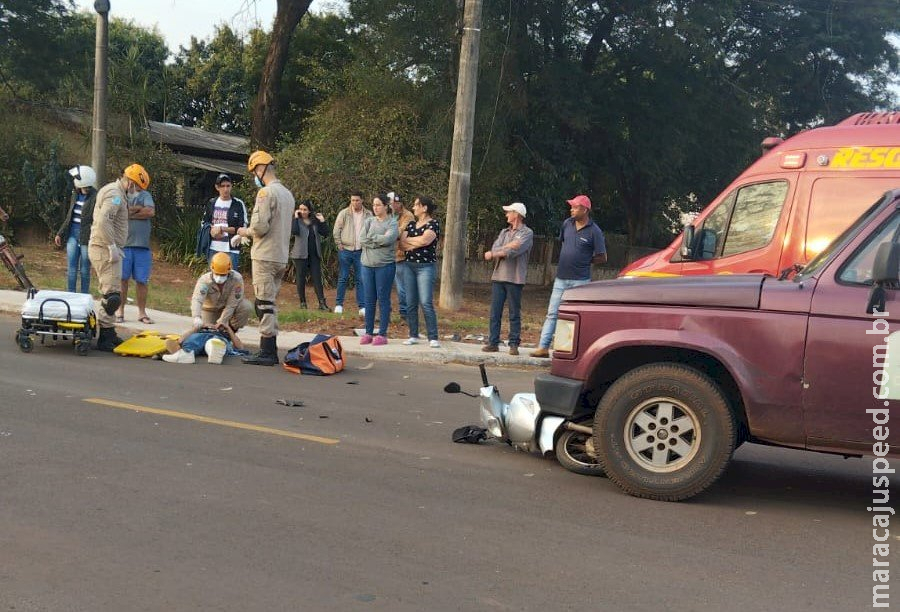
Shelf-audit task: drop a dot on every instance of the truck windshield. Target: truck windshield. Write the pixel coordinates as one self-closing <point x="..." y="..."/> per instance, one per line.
<point x="818" y="262"/>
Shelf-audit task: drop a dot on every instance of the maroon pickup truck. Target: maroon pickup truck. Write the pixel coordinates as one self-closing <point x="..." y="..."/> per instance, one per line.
<point x="678" y="372"/>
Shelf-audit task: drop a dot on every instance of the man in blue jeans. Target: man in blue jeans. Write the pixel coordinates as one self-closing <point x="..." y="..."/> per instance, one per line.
<point x="582" y="245"/>
<point x="347" y="231"/>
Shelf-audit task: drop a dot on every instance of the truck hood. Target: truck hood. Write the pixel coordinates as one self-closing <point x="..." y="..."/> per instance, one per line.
<point x="722" y="291"/>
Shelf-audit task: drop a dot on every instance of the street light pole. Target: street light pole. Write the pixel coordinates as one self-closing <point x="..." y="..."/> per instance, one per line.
<point x="454" y="262"/>
<point x="98" y="130"/>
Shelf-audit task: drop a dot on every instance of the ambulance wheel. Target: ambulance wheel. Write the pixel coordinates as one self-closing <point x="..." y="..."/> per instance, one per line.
<point x="575" y="451"/>
<point x="25" y="343"/>
<point x="82" y="348"/>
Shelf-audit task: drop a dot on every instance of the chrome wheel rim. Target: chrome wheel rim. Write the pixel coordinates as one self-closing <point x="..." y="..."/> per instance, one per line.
<point x="662" y="434"/>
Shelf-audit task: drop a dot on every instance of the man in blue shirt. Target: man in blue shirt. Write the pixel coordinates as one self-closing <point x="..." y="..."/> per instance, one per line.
<point x="582" y="245"/>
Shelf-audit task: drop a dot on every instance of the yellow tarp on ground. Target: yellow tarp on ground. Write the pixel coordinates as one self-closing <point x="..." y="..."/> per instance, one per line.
<point x="145" y="344"/>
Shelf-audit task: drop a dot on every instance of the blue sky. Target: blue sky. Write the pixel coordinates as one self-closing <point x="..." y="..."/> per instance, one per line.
<point x="178" y="20"/>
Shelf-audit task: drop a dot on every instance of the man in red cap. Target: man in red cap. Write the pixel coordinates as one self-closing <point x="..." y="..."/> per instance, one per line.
<point x="582" y="245"/>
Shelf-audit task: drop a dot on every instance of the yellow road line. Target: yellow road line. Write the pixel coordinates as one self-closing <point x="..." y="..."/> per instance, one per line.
<point x="213" y="421"/>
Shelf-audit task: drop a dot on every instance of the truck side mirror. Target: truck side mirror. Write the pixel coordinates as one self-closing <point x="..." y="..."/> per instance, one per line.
<point x="885" y="273"/>
<point x="687" y="242"/>
<point x="706" y="244"/>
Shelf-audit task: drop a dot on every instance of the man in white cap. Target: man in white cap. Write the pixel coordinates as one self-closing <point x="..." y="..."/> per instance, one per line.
<point x="509" y="253"/>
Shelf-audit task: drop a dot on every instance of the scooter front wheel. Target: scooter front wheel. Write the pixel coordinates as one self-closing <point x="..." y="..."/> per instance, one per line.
<point x="575" y="451"/>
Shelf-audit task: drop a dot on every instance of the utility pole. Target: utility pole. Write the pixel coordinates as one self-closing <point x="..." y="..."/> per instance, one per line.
<point x="454" y="263"/>
<point x="98" y="130"/>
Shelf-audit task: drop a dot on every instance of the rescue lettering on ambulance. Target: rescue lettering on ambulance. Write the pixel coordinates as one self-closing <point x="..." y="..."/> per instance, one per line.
<point x="867" y="157"/>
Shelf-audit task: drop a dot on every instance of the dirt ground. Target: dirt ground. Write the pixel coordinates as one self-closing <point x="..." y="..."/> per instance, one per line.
<point x="171" y="286"/>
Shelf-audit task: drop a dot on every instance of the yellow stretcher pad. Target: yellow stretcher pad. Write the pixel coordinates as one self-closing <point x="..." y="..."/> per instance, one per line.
<point x="145" y="344"/>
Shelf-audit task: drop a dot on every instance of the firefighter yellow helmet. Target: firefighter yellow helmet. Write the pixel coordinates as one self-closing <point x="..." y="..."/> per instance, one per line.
<point x="138" y="174"/>
<point x="220" y="263"/>
<point x="258" y="158"/>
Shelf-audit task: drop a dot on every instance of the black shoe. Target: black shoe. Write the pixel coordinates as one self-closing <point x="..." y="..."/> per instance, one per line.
<point x="267" y="355"/>
<point x="107" y="340"/>
<point x="323" y="305"/>
<point x="303" y="305"/>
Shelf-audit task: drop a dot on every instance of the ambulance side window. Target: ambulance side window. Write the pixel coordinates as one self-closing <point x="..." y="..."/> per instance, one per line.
<point x="743" y="221"/>
<point x="756" y="213"/>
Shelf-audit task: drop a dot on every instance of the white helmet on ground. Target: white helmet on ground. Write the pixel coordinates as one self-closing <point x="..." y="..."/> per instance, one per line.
<point x="84" y="176"/>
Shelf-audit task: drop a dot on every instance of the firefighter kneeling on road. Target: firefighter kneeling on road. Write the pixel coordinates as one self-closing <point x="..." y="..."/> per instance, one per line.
<point x="218" y="303"/>
<point x="270" y="229"/>
<point x="109" y="231"/>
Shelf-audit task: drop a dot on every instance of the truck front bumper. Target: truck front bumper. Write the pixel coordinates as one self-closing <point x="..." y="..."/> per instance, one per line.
<point x="558" y="395"/>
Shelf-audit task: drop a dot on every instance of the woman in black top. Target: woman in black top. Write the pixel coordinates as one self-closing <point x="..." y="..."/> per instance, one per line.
<point x="419" y="240"/>
<point x="308" y="229"/>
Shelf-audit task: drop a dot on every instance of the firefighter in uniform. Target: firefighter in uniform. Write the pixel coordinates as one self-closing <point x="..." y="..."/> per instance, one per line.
<point x="218" y="298"/>
<point x="218" y="301"/>
<point x="109" y="231"/>
<point x="270" y="229"/>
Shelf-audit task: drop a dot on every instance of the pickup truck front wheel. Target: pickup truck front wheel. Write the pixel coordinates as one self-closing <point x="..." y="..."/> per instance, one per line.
<point x="664" y="431"/>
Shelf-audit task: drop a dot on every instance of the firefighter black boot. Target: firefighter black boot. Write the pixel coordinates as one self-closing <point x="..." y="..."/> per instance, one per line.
<point x="108" y="339"/>
<point x="267" y="355"/>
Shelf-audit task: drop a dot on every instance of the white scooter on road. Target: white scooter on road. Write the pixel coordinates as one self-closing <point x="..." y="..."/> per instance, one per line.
<point x="522" y="424"/>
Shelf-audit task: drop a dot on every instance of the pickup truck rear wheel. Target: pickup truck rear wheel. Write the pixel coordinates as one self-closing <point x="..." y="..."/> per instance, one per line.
<point x="664" y="431"/>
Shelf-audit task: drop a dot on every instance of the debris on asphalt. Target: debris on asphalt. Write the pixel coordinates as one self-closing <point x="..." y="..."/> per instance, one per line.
<point x="289" y="402"/>
<point x="226" y="388"/>
<point x="368" y="420"/>
<point x="368" y="366"/>
<point x="323" y="416"/>
<point x="352" y="382"/>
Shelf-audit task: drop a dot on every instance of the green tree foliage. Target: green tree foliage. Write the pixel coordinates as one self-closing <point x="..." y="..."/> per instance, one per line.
<point x="371" y="148"/>
<point x="214" y="84"/>
<point x="642" y="105"/>
<point x="32" y="45"/>
<point x="47" y="189"/>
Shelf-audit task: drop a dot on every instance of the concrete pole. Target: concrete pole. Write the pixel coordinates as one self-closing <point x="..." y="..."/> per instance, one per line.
<point x="454" y="263"/>
<point x="98" y="130"/>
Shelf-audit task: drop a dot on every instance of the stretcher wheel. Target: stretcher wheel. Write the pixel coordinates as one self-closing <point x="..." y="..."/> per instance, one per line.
<point x="25" y="343"/>
<point x="82" y="348"/>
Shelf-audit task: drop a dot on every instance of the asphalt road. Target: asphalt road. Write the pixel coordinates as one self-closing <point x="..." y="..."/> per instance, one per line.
<point x="104" y="507"/>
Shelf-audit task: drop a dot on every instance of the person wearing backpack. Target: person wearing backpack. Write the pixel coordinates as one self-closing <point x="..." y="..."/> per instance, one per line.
<point x="224" y="215"/>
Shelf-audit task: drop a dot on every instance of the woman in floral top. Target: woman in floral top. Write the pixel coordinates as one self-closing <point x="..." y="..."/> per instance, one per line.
<point x="419" y="241"/>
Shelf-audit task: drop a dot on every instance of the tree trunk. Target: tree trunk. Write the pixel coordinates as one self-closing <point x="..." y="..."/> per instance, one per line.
<point x="264" y="128"/>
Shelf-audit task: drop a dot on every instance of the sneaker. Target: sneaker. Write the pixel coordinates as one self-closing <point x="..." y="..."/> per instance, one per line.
<point x="379" y="341"/>
<point x="338" y="309"/>
<point x="513" y="349"/>
<point x="541" y="352"/>
<point x="182" y="356"/>
<point x="410" y="341"/>
<point x="366" y="339"/>
<point x="434" y="344"/>
<point x="215" y="350"/>
<point x="490" y="348"/>
<point x="362" y="312"/>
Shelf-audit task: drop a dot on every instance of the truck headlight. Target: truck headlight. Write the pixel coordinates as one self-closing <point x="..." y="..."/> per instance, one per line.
<point x="564" y="340"/>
